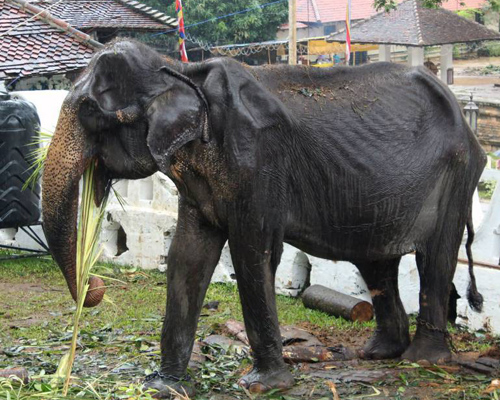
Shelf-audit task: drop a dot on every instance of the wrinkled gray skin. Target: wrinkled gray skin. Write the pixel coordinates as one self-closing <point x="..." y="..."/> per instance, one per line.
<point x="359" y="164"/>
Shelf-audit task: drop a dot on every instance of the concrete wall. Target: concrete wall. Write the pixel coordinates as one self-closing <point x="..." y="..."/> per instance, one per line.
<point x="489" y="125"/>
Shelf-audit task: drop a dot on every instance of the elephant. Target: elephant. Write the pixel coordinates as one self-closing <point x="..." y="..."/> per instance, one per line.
<point x="363" y="164"/>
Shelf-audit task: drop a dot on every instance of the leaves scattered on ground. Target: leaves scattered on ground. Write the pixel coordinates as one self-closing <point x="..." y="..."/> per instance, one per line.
<point x="119" y="345"/>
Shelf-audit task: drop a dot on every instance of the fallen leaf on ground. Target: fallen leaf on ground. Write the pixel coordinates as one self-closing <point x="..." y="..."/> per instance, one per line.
<point x="333" y="389"/>
<point x="494" y="385"/>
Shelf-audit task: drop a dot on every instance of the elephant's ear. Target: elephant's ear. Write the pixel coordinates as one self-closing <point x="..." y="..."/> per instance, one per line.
<point x="108" y="87"/>
<point x="176" y="117"/>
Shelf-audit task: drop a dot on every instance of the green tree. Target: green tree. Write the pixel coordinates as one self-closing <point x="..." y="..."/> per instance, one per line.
<point x="257" y="24"/>
<point x="388" y="5"/>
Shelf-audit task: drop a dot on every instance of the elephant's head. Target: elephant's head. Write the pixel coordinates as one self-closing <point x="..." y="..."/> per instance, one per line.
<point x="128" y="113"/>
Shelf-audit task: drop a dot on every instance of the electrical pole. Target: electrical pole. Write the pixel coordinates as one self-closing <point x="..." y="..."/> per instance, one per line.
<point x="292" y="32"/>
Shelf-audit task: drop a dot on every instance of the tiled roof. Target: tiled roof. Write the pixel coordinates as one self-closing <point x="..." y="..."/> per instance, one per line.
<point x="330" y="11"/>
<point x="324" y="11"/>
<point x="411" y="24"/>
<point x="111" y="14"/>
<point x="40" y="46"/>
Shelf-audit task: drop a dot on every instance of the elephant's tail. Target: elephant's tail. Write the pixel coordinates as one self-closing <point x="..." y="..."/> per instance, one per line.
<point x="475" y="298"/>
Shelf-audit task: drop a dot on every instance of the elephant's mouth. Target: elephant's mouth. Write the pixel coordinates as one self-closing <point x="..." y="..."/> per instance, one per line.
<point x="118" y="140"/>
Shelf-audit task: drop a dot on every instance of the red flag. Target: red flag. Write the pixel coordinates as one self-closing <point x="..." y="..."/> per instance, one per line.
<point x="182" y="32"/>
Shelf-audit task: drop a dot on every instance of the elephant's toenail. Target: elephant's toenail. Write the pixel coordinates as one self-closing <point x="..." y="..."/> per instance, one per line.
<point x="258" y="387"/>
<point x="243" y="383"/>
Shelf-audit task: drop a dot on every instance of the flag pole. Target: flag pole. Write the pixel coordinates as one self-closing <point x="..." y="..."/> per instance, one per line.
<point x="181" y="30"/>
<point x="292" y="32"/>
<point x="348" y="33"/>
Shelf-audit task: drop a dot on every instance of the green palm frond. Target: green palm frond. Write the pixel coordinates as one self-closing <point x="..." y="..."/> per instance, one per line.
<point x="37" y="157"/>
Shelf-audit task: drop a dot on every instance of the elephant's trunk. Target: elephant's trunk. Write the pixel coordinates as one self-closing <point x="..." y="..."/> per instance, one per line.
<point x="67" y="158"/>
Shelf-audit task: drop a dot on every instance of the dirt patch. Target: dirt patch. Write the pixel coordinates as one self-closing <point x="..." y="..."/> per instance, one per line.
<point x="355" y="337"/>
<point x="14" y="294"/>
<point x="476" y="80"/>
<point x="21" y="288"/>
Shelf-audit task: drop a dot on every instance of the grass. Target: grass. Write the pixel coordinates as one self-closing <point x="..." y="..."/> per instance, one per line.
<point x="119" y="344"/>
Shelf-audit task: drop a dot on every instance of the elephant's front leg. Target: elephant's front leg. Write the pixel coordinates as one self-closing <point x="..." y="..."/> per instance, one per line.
<point x="192" y="258"/>
<point x="255" y="260"/>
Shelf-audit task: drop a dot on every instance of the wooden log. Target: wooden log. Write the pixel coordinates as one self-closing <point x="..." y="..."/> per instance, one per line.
<point x="338" y="304"/>
<point x="20" y="373"/>
<point x="312" y="354"/>
<point x="237" y="329"/>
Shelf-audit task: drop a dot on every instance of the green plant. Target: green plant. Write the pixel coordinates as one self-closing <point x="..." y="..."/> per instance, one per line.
<point x="486" y="189"/>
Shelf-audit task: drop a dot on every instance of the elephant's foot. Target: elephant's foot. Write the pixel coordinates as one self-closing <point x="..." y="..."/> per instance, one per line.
<point x="382" y="345"/>
<point x="168" y="386"/>
<point x="428" y="347"/>
<point x="264" y="381"/>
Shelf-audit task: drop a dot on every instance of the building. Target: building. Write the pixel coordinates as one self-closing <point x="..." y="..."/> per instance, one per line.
<point x="104" y="20"/>
<point x="320" y="18"/>
<point x="42" y="52"/>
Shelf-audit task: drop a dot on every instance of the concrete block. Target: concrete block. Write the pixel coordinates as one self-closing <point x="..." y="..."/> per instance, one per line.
<point x="489" y="318"/>
<point x="137" y="236"/>
<point x="7" y="234"/>
<point x="341" y="276"/>
<point x="224" y="272"/>
<point x="293" y="272"/>
<point x="22" y="239"/>
<point x="409" y="284"/>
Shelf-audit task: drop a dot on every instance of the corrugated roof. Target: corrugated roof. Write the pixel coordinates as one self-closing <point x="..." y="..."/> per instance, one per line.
<point x="39" y="46"/>
<point x="110" y="14"/>
<point x="411" y="24"/>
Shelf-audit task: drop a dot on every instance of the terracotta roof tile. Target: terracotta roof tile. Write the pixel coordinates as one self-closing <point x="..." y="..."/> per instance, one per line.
<point x="37" y="48"/>
<point x="110" y="14"/>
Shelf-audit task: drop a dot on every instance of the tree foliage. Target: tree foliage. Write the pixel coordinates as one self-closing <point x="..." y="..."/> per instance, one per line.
<point x="388" y="5"/>
<point x="255" y="25"/>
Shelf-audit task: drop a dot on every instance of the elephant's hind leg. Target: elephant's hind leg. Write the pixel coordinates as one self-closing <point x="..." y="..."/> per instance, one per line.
<point x="391" y="338"/>
<point x="436" y="262"/>
<point x="436" y="267"/>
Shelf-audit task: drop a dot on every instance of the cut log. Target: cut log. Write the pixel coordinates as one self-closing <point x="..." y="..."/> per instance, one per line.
<point x="20" y="373"/>
<point x="338" y="304"/>
<point x="296" y="354"/>
<point x="237" y="329"/>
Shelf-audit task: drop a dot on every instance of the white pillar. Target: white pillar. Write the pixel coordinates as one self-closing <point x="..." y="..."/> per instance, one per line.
<point x="415" y="56"/>
<point x="446" y="60"/>
<point x="384" y="52"/>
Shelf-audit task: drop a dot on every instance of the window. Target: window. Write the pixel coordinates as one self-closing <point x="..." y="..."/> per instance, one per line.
<point x="328" y="29"/>
<point x="479" y="17"/>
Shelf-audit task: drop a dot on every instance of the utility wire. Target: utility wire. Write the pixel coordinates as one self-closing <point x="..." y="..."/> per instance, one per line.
<point x="222" y="16"/>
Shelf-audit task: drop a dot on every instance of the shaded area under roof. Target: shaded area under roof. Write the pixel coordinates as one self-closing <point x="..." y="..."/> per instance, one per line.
<point x="109" y="14"/>
<point x="40" y="46"/>
<point x="411" y="24"/>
